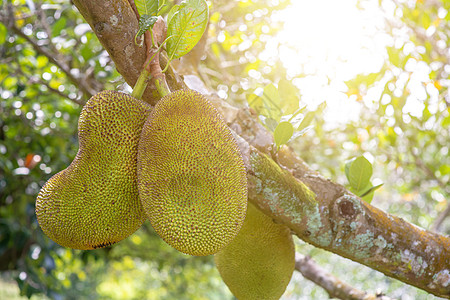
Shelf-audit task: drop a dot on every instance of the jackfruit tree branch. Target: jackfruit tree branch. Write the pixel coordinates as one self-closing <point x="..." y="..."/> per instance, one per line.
<point x="328" y="216"/>
<point x="332" y="218"/>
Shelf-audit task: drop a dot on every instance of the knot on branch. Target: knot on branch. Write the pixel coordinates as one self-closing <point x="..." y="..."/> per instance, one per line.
<point x="346" y="209"/>
<point x="101" y="28"/>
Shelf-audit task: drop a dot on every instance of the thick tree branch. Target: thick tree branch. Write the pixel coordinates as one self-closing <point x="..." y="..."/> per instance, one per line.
<point x="328" y="216"/>
<point x="317" y="210"/>
<point x="333" y="285"/>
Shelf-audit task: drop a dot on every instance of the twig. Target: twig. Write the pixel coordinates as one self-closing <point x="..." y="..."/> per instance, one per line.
<point x="330" y="283"/>
<point x="420" y="163"/>
<point x="445" y="187"/>
<point x="77" y="101"/>
<point x="84" y="87"/>
<point x="45" y="25"/>
<point x="56" y="91"/>
<point x="440" y="219"/>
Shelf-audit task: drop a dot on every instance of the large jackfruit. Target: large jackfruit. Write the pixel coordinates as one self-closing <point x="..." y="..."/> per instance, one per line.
<point x="191" y="176"/>
<point x="94" y="202"/>
<point x="258" y="264"/>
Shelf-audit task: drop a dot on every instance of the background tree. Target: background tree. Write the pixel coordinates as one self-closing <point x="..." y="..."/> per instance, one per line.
<point x="52" y="63"/>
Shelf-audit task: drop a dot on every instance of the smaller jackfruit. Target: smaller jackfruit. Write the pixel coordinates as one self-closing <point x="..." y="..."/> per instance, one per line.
<point x="258" y="264"/>
<point x="191" y="175"/>
<point x="94" y="202"/>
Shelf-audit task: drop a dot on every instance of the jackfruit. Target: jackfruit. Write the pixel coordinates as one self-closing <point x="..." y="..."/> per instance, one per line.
<point x="94" y="202"/>
<point x="258" y="264"/>
<point x="191" y="176"/>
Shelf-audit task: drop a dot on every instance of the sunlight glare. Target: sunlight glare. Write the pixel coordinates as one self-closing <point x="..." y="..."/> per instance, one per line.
<point x="326" y="42"/>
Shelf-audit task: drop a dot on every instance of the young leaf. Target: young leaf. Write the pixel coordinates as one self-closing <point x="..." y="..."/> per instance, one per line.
<point x="347" y="167"/>
<point x="359" y="173"/>
<point x="147" y="7"/>
<point x="289" y="96"/>
<point x="264" y="106"/>
<point x="368" y="197"/>
<point x="321" y="108"/>
<point x="283" y="133"/>
<point x="371" y="190"/>
<point x="186" y="27"/>
<point x="145" y="22"/>
<point x="255" y="102"/>
<point x="271" y="124"/>
<point x="57" y="27"/>
<point x="301" y="132"/>
<point x="309" y="117"/>
<point x="271" y="100"/>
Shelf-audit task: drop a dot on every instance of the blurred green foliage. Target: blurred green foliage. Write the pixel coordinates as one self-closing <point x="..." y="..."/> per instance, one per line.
<point x="51" y="63"/>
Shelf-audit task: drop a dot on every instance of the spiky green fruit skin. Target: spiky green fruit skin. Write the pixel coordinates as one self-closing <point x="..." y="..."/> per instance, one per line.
<point x="191" y="175"/>
<point x="94" y="202"/>
<point x="258" y="264"/>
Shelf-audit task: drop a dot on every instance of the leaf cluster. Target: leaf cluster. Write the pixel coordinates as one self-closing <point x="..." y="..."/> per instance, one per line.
<point x="280" y="112"/>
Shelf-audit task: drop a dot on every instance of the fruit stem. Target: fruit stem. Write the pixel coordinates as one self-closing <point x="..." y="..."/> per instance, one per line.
<point x="161" y="85"/>
<point x="141" y="84"/>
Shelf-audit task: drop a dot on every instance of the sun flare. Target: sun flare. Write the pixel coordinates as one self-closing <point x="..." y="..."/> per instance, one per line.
<point x="326" y="42"/>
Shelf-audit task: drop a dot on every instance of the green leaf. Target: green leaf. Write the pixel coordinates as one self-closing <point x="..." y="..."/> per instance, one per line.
<point x="309" y="117"/>
<point x="271" y="95"/>
<point x="368" y="197"/>
<point x="41" y="61"/>
<point x="289" y="97"/>
<point x="255" y="102"/>
<point x="147" y="7"/>
<point x="370" y="189"/>
<point x="446" y="121"/>
<point x="358" y="172"/>
<point x="283" y="133"/>
<point x="425" y="20"/>
<point x="366" y="194"/>
<point x="321" y="108"/>
<point x="172" y="12"/>
<point x="394" y="55"/>
<point x="267" y="104"/>
<point x="271" y="124"/>
<point x="161" y="4"/>
<point x="186" y="27"/>
<point x="145" y="22"/>
<point x="366" y="80"/>
<point x="271" y="101"/>
<point x="444" y="169"/>
<point x="3" y="33"/>
<point x="347" y="167"/>
<point x="10" y="83"/>
<point x="59" y="26"/>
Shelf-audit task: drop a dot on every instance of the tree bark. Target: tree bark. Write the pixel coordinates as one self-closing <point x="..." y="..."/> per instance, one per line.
<point x="317" y="210"/>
